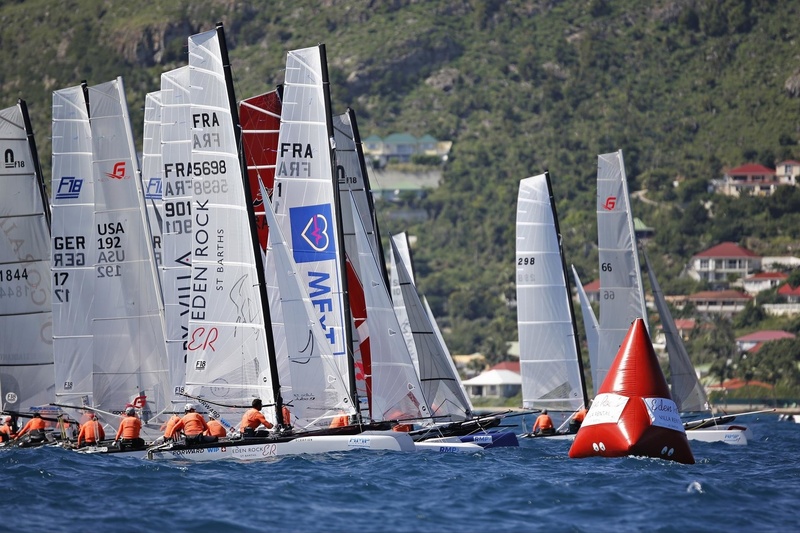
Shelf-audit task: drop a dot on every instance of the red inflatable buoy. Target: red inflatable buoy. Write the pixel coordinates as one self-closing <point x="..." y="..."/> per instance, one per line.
<point x="633" y="412"/>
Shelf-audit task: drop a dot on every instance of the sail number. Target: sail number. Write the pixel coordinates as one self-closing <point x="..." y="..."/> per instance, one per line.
<point x="11" y="275"/>
<point x="605" y="267"/>
<point x="525" y="261"/>
<point x="608" y="295"/>
<point x="59" y="280"/>
<point x="197" y="168"/>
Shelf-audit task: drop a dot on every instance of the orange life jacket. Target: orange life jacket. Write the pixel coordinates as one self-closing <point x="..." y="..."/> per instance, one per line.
<point x="33" y="423"/>
<point x="91" y="432"/>
<point x="252" y="418"/>
<point x="129" y="428"/>
<point x="192" y="424"/>
<point x="403" y="427"/>
<point x="216" y="429"/>
<point x="543" y="422"/>
<point x="340" y="421"/>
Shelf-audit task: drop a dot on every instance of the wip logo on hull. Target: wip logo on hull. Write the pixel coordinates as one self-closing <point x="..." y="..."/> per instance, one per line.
<point x="312" y="233"/>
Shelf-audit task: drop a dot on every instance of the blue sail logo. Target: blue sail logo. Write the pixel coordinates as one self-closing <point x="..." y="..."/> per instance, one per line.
<point x="311" y="233"/>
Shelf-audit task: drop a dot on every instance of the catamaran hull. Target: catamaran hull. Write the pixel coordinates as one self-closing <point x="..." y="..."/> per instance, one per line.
<point x="736" y="435"/>
<point x="388" y="441"/>
<point x="494" y="439"/>
<point x="447" y="445"/>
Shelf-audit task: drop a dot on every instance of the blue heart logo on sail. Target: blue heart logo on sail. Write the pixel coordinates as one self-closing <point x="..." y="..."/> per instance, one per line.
<point x="316" y="233"/>
<point x="311" y="233"/>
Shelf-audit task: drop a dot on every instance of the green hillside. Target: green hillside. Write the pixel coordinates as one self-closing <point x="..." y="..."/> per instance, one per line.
<point x="684" y="88"/>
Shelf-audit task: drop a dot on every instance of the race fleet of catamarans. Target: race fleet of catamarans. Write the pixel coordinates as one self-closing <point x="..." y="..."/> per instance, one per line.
<point x="242" y="260"/>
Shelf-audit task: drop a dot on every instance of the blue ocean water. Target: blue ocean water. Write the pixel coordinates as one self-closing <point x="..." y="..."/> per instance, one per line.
<point x="535" y="487"/>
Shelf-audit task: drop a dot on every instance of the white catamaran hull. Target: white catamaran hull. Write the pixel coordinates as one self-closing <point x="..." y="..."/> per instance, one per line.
<point x="390" y="441"/>
<point x="736" y="435"/>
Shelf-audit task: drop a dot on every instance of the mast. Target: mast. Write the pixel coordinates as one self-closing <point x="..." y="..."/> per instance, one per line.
<point x="262" y="283"/>
<point x="337" y="205"/>
<point x="569" y="289"/>
<point x="37" y="168"/>
<point x="368" y="188"/>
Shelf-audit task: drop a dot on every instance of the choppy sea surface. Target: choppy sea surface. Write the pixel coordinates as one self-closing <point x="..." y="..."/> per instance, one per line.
<point x="535" y="487"/>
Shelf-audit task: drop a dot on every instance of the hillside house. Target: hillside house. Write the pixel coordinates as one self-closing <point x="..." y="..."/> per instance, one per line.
<point x="495" y="383"/>
<point x="716" y="264"/>
<point x="750" y="179"/>
<point x="727" y="303"/>
<point x="788" y="172"/>
<point x="790" y="305"/>
<point x="748" y="342"/>
<point x="763" y="281"/>
<point x="401" y="147"/>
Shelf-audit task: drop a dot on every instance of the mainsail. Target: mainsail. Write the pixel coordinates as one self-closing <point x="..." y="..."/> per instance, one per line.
<point x="228" y="355"/>
<point x="687" y="391"/>
<point x="130" y="363"/>
<point x="621" y="292"/>
<point x="26" y="351"/>
<point x="176" y="234"/>
<point x="550" y="361"/>
<point x="72" y="234"/>
<point x="305" y="200"/>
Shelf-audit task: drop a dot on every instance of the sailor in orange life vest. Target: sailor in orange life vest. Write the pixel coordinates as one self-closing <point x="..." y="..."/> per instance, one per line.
<point x="128" y="433"/>
<point x="340" y="421"/>
<point x="7" y="430"/>
<point x="168" y="426"/>
<point x="193" y="425"/>
<point x="252" y="418"/>
<point x="36" y="428"/>
<point x="577" y="419"/>
<point x="216" y="429"/>
<point x="92" y="432"/>
<point x="543" y="425"/>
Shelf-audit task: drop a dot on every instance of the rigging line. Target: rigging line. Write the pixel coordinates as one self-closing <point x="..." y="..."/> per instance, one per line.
<point x="229" y="406"/>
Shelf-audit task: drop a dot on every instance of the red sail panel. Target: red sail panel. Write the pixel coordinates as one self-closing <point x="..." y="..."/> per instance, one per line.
<point x="260" y="117"/>
<point x="358" y="312"/>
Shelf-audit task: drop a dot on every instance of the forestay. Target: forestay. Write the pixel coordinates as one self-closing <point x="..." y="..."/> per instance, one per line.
<point x="26" y="322"/>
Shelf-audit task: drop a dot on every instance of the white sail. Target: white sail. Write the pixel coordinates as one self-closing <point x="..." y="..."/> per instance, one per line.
<point x="176" y="235"/>
<point x="228" y="359"/>
<point x="401" y="243"/>
<point x="396" y="390"/>
<point x="152" y="170"/>
<point x="26" y="320"/>
<point x="441" y="385"/>
<point x="352" y="179"/>
<point x="552" y="375"/>
<point x="128" y="337"/>
<point x="304" y="198"/>
<point x="687" y="391"/>
<point x="72" y="236"/>
<point x="314" y="390"/>
<point x="590" y="325"/>
<point x="621" y="292"/>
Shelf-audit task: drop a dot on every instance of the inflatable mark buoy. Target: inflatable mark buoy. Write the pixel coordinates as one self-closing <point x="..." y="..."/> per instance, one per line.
<point x="633" y="413"/>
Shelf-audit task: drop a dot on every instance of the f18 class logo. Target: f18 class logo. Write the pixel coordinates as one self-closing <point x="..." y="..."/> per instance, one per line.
<point x="611" y="202"/>
<point x="119" y="171"/>
<point x="311" y="233"/>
